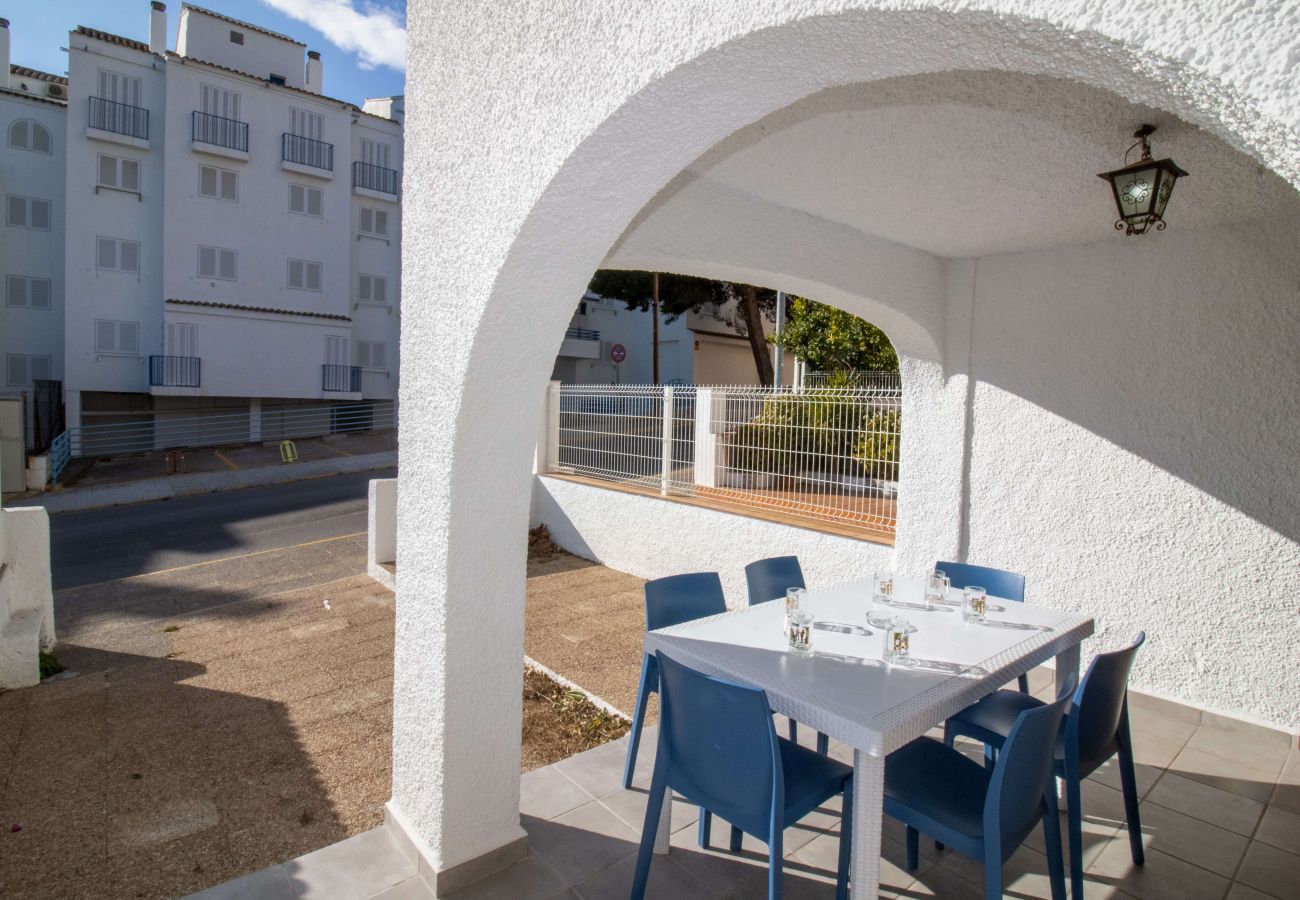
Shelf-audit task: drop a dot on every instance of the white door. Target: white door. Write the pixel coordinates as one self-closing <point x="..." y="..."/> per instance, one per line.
<point x="181" y="339"/>
<point x="306" y="124"/>
<point x="336" y="350"/>
<point x="373" y="153"/>
<point x="120" y="88"/>
<point x="217" y="101"/>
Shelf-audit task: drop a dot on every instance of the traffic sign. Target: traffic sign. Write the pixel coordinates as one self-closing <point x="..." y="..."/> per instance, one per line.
<point x="618" y="353"/>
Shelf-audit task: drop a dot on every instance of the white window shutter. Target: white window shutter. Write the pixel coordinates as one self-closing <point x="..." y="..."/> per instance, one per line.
<point x="40" y="138"/>
<point x="207" y="181"/>
<point x="295" y="274"/>
<point x="38" y="293"/>
<point x="377" y="356"/>
<point x="41" y="214"/>
<point x="108" y="170"/>
<point x="314" y="201"/>
<point x="40" y="368"/>
<point x="229" y="190"/>
<point x="105" y="336"/>
<point x="381" y="290"/>
<point x="131" y="174"/>
<point x="367" y="219"/>
<point x="207" y="262"/>
<point x="227" y="265"/>
<point x="297" y="203"/>
<point x="17" y="370"/>
<point x="16" y="291"/>
<point x="381" y="222"/>
<point x="363" y="287"/>
<point x="106" y="253"/>
<point x="17" y="211"/>
<point x="313" y="276"/>
<point x="128" y="337"/>
<point x="19" y="135"/>
<point x="130" y="256"/>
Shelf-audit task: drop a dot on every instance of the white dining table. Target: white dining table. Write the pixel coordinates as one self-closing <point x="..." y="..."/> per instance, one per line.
<point x="846" y="690"/>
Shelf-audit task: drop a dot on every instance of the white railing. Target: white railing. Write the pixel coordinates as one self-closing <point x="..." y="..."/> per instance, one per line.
<point x="870" y="379"/>
<point x="823" y="454"/>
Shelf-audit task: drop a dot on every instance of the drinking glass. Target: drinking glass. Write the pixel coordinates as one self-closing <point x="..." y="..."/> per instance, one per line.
<point x="898" y="641"/>
<point x="974" y="603"/>
<point x="936" y="588"/>
<point x="799" y="631"/>
<point x="796" y="601"/>
<point x="882" y="586"/>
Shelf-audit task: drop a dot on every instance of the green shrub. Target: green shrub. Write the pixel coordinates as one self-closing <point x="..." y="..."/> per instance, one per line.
<point x="877" y="450"/>
<point x="814" y="431"/>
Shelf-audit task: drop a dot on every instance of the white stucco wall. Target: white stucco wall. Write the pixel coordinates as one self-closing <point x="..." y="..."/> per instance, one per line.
<point x="26" y="598"/>
<point x="527" y="170"/>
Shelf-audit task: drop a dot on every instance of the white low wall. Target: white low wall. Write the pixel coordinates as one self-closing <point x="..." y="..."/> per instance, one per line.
<point x="644" y="537"/>
<point x="26" y="598"/>
<point x="381" y="526"/>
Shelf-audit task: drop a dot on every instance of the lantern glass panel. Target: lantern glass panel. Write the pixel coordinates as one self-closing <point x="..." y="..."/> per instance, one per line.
<point x="1163" y="191"/>
<point x="1135" y="190"/>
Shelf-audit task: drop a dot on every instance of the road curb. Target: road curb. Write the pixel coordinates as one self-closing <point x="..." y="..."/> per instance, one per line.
<point x="148" y="489"/>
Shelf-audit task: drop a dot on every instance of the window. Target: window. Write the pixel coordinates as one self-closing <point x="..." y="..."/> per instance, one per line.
<point x="117" y="255"/>
<point x="180" y="339"/>
<point x="26" y="134"/>
<point x="306" y="124"/>
<point x="236" y="37"/>
<point x="219" y="101"/>
<point x="26" y="292"/>
<point x="28" y="212"/>
<point x="215" y="262"/>
<point x="121" y="88"/>
<point x="304" y="200"/>
<point x="336" y="350"/>
<point x="117" y="337"/>
<point x="21" y="370"/>
<point x="371" y="355"/>
<point x="304" y="275"/>
<point x="372" y="288"/>
<point x="374" y="221"/>
<point x="219" y="184"/>
<point x="118" y="173"/>
<point x="373" y="153"/>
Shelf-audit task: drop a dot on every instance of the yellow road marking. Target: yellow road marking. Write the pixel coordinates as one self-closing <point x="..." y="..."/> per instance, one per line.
<point x="209" y="562"/>
<point x="337" y="450"/>
<point x="225" y="459"/>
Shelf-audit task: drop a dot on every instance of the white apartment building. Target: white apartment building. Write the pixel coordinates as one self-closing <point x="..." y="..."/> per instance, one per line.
<point x="33" y="122"/>
<point x="235" y="243"/>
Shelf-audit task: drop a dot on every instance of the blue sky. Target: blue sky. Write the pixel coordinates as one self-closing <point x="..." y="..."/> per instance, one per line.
<point x="361" y="41"/>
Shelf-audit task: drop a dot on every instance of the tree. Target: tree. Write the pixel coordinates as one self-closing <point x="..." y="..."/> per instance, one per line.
<point x="680" y="294"/>
<point x="831" y="339"/>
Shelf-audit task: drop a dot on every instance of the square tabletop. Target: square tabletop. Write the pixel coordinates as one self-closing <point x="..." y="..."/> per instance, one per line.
<point x="845" y="688"/>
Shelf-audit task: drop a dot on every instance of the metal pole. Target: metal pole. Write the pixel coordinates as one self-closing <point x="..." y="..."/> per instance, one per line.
<point x="779" y="364"/>
<point x="654" y="313"/>
<point x="666" y="447"/>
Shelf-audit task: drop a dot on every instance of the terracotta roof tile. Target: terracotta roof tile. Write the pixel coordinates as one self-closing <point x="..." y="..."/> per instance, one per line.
<point x="261" y="309"/>
<point x="112" y="38"/>
<point x="24" y="72"/>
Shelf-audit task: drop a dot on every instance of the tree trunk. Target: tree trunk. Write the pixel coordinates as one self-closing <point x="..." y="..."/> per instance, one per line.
<point x="753" y="319"/>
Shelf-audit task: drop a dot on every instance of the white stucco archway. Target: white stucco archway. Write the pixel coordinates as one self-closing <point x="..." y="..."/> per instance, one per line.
<point x="539" y="136"/>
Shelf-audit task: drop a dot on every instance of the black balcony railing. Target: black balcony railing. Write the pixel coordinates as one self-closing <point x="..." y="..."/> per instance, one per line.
<point x="374" y="178"/>
<point x="581" y="334"/>
<point x="210" y="129"/>
<point x="119" y="118"/>
<point x="307" y="152"/>
<point x="341" y="378"/>
<point x="175" y="371"/>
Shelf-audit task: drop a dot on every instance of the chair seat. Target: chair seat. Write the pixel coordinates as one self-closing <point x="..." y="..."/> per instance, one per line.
<point x="939" y="783"/>
<point x="809" y="779"/>
<point x="997" y="712"/>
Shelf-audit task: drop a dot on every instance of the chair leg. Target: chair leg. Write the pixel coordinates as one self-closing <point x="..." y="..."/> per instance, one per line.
<point x="1128" y="780"/>
<point x="1074" y="817"/>
<point x="1052" y="838"/>
<point x="775" y="856"/>
<point x="990" y="757"/>
<point x="992" y="872"/>
<point x="649" y="829"/>
<point x="736" y="837"/>
<point x="793" y="732"/>
<point x="638" y="719"/>
<point x="823" y="744"/>
<point x="846" y="843"/>
<point x="913" y="848"/>
<point x="706" y="823"/>
<point x="1023" y="681"/>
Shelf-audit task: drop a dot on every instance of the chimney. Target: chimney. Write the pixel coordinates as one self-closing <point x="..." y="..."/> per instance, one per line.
<point x="315" y="71"/>
<point x="4" y="53"/>
<point x="158" y="28"/>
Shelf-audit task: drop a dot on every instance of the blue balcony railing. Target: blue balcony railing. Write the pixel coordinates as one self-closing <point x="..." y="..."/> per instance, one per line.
<point x="341" y="378"/>
<point x="175" y="371"/>
<point x="220" y="131"/>
<point x="119" y="118"/>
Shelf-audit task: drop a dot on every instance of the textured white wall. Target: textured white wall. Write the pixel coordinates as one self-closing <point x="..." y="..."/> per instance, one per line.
<point x="528" y="168"/>
<point x="26" y="598"/>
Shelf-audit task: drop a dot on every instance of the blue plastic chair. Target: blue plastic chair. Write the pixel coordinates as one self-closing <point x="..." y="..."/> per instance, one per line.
<point x="1096" y="729"/>
<point x="669" y="601"/>
<point x="767" y="580"/>
<point x="718" y="748"/>
<point x="980" y="812"/>
<point x="998" y="582"/>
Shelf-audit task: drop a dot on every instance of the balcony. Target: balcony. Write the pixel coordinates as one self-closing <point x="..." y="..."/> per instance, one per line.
<point x="580" y="343"/>
<point x="307" y="156"/>
<point x="118" y="122"/>
<point x="345" y="379"/>
<point x="220" y="132"/>
<point x="175" y="371"/>
<point x="375" y="179"/>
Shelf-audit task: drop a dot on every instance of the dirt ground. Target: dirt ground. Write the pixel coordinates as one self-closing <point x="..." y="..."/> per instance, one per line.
<point x="228" y="716"/>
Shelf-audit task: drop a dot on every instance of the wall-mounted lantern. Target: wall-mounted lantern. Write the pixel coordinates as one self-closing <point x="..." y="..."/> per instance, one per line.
<point x="1142" y="188"/>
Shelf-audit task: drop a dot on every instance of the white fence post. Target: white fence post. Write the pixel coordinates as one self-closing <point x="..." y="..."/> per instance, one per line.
<point x="548" y="442"/>
<point x="706" y="444"/>
<point x="666" y="461"/>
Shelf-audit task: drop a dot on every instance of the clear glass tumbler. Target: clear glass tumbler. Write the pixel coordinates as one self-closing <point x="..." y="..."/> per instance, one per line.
<point x="974" y="603"/>
<point x="897" y="648"/>
<point x="882" y="586"/>
<point x="799" y="631"/>
<point x="936" y="588"/>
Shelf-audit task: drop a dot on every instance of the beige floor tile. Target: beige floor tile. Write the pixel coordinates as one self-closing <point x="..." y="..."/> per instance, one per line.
<point x="1270" y="870"/>
<point x="1280" y="828"/>
<point x="1162" y="878"/>
<point x="1243" y="776"/>
<point x="1207" y="803"/>
<point x="1191" y="840"/>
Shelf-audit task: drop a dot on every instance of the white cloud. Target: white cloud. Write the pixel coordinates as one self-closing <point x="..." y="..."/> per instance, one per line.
<point x="374" y="33"/>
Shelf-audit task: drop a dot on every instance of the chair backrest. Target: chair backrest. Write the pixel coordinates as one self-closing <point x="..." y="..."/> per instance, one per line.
<point x="1099" y="702"/>
<point x="998" y="582"/>
<point x="769" y="579"/>
<point x="1025" y="768"/>
<point x="683" y="598"/>
<point x="721" y="744"/>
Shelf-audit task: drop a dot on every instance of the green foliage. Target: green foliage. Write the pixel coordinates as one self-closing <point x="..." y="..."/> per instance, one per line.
<point x="798" y="433"/>
<point x="877" y="450"/>
<point x="829" y="339"/>
<point x="49" y="664"/>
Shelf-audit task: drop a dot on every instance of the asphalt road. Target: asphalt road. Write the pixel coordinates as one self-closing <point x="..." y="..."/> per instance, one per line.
<point x="106" y="544"/>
